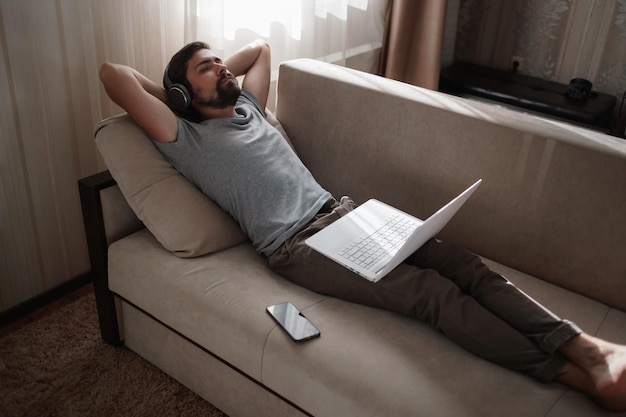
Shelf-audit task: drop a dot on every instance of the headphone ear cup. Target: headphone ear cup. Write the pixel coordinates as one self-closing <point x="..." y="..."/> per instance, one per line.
<point x="178" y="97"/>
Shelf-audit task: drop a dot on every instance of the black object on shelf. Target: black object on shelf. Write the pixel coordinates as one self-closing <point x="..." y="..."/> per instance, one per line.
<point x="575" y="103"/>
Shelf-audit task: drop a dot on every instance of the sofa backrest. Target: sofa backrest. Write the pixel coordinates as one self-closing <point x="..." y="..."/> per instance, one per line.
<point x="553" y="200"/>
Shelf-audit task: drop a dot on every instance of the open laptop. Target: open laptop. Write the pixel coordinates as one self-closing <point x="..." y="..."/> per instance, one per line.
<point x="374" y="238"/>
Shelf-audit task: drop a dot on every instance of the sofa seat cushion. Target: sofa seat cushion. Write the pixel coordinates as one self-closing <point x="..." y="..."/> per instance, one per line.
<point x="382" y="364"/>
<point x="366" y="362"/>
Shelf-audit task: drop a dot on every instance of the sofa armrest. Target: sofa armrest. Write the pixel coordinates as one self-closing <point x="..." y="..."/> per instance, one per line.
<point x="107" y="218"/>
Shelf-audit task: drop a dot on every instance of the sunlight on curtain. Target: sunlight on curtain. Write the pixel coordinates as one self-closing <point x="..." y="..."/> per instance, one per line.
<point x="258" y="17"/>
<point x="338" y="7"/>
<point x="336" y="31"/>
<point x="50" y="53"/>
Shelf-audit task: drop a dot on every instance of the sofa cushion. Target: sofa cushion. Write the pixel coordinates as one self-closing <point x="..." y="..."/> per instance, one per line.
<point x="156" y="191"/>
<point x="367" y="362"/>
<point x="217" y="300"/>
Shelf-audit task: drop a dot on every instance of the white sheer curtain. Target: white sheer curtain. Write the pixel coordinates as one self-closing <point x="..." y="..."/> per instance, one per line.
<point x="50" y="52"/>
<point x="344" y="32"/>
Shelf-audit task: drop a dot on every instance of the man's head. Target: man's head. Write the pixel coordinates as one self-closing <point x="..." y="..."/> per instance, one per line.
<point x="204" y="76"/>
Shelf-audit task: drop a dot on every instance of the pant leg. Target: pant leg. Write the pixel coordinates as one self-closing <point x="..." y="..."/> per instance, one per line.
<point x="496" y="293"/>
<point x="422" y="293"/>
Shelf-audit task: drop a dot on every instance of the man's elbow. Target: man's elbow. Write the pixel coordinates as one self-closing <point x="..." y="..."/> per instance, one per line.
<point x="107" y="71"/>
<point x="112" y="78"/>
<point x="265" y="53"/>
<point x="262" y="45"/>
<point x="266" y="47"/>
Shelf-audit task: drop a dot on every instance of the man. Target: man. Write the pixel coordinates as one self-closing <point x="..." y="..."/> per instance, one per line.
<point x="221" y="142"/>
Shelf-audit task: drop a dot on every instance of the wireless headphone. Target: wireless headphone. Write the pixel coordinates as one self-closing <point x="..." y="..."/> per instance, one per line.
<point x="178" y="95"/>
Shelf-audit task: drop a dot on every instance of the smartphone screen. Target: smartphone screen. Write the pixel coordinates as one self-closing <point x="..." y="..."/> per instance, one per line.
<point x="293" y="321"/>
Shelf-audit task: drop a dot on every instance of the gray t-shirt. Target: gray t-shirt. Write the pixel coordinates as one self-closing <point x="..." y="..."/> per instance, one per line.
<point x="246" y="166"/>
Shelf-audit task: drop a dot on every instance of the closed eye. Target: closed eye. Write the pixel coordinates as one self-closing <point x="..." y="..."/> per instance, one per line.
<point x="205" y="65"/>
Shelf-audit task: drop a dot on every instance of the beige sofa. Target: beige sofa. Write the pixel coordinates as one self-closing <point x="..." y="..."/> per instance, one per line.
<point x="183" y="288"/>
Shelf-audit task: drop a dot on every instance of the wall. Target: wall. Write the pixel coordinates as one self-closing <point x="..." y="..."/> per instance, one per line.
<point x="558" y="39"/>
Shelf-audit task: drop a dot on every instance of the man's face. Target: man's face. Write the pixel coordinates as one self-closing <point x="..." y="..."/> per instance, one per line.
<point x="212" y="84"/>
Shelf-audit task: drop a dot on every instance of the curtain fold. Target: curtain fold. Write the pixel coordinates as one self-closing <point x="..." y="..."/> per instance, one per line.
<point x="412" y="41"/>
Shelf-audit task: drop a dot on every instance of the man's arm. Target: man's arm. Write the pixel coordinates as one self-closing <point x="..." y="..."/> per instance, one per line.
<point x="142" y="99"/>
<point x="253" y="61"/>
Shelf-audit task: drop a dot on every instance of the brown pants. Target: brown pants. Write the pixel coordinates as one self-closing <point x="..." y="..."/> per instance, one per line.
<point x="447" y="287"/>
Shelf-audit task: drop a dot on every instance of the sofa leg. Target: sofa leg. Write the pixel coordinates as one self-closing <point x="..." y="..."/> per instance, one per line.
<point x="89" y="189"/>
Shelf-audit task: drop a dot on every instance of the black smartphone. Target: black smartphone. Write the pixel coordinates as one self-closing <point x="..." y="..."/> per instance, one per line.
<point x="293" y="321"/>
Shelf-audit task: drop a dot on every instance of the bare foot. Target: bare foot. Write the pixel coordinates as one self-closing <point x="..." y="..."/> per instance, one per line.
<point x="610" y="375"/>
<point x="605" y="364"/>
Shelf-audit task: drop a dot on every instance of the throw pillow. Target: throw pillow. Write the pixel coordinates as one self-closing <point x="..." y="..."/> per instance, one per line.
<point x="183" y="219"/>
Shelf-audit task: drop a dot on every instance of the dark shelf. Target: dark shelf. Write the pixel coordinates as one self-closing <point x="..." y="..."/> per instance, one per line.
<point x="528" y="94"/>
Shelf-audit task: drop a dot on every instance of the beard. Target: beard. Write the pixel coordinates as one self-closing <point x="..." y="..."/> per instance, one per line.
<point x="226" y="94"/>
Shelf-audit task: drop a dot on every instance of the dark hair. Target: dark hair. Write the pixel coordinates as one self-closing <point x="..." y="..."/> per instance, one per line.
<point x="177" y="73"/>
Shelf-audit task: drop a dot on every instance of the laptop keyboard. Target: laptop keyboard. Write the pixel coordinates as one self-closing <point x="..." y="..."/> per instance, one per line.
<point x="385" y="241"/>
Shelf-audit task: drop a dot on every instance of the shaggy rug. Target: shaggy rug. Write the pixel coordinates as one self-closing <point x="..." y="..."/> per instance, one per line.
<point x="54" y="363"/>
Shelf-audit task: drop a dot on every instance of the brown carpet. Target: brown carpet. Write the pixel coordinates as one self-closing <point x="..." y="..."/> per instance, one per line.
<point x="54" y="363"/>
